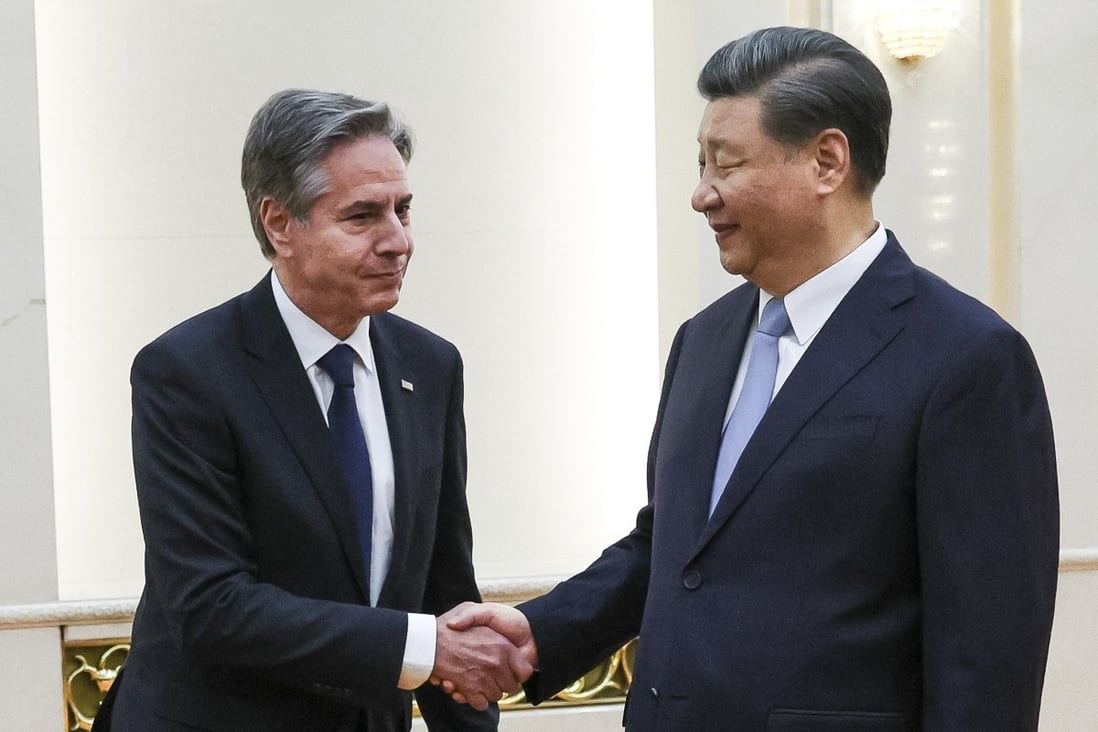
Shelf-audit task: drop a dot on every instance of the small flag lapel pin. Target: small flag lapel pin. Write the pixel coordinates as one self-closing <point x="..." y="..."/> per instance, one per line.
<point x="407" y="385"/>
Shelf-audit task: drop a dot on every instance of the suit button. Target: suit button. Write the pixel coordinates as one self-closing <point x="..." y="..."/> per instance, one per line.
<point x="692" y="580"/>
<point x="654" y="692"/>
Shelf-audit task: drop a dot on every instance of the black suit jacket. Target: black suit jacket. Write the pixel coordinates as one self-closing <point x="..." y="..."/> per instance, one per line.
<point x="884" y="557"/>
<point x="255" y="612"/>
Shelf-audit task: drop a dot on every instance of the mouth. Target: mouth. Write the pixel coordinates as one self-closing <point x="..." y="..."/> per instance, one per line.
<point x="387" y="279"/>
<point x="722" y="231"/>
<point x="392" y="274"/>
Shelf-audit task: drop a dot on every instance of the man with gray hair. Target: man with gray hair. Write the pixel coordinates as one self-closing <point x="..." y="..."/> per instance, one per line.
<point x="300" y="463"/>
<point x="853" y="521"/>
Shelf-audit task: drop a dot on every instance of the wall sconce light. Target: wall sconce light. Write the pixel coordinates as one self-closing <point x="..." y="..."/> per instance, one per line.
<point x="916" y="29"/>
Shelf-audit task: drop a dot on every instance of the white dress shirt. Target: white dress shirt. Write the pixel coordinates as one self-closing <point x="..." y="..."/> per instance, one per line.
<point x="809" y="306"/>
<point x="312" y="341"/>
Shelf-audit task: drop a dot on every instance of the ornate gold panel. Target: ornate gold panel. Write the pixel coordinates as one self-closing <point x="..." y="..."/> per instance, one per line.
<point x="89" y="668"/>
<point x="607" y="683"/>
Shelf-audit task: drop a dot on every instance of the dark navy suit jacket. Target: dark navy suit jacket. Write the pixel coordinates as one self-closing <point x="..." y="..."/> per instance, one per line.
<point x="254" y="614"/>
<point x="884" y="557"/>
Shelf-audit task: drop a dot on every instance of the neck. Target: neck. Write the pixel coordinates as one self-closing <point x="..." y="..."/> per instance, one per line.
<point x="340" y="327"/>
<point x="839" y="233"/>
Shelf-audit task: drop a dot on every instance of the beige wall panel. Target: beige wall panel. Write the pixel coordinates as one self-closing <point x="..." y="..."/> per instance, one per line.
<point x="26" y="490"/>
<point x="585" y="719"/>
<point x="1069" y="703"/>
<point x="33" y="696"/>
<point x="1058" y="155"/>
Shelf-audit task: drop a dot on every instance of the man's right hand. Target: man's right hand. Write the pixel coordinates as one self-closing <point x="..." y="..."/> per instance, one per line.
<point x="496" y="619"/>
<point x="478" y="664"/>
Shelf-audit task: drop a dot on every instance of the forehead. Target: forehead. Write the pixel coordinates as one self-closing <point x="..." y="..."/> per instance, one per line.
<point x="367" y="160"/>
<point x="728" y="120"/>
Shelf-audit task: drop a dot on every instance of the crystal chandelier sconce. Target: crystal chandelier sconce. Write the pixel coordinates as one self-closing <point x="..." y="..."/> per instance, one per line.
<point x="912" y="30"/>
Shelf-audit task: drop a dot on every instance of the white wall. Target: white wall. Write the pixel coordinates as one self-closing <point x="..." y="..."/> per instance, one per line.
<point x="1058" y="153"/>
<point x="534" y="183"/>
<point x="1057" y="157"/>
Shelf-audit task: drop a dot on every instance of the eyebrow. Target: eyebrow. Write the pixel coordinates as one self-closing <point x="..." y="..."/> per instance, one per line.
<point x="371" y="206"/>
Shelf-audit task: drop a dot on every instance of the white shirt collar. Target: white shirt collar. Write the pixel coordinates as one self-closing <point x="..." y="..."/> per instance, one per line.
<point x="812" y="302"/>
<point x="310" y="338"/>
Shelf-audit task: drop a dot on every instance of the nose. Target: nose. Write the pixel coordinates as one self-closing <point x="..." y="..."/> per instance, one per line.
<point x="705" y="197"/>
<point x="396" y="240"/>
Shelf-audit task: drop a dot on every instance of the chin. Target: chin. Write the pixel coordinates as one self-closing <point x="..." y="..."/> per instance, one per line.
<point x="731" y="266"/>
<point x="382" y="304"/>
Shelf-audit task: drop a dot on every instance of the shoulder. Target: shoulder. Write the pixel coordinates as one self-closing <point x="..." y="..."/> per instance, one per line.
<point x="950" y="314"/>
<point x="956" y="340"/>
<point x="412" y="339"/>
<point x="200" y="340"/>
<point x="926" y="300"/>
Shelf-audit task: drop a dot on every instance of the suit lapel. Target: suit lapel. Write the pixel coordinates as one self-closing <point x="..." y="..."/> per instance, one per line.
<point x="861" y="326"/>
<point x="280" y="378"/>
<point x="699" y="419"/>
<point x="402" y="416"/>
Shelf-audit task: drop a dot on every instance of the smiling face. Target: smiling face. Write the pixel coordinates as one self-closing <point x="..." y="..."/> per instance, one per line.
<point x="347" y="261"/>
<point x="761" y="198"/>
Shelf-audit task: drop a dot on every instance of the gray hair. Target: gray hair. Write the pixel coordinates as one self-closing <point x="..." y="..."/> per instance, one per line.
<point x="808" y="80"/>
<point x="290" y="138"/>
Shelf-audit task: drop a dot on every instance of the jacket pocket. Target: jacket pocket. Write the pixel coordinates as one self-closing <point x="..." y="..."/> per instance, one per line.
<point x="813" y="720"/>
<point x="855" y="425"/>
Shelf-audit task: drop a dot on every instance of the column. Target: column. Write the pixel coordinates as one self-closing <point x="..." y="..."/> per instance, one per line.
<point x="27" y="536"/>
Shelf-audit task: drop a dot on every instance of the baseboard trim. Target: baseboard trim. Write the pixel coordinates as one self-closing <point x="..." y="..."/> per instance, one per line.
<point x="511" y="590"/>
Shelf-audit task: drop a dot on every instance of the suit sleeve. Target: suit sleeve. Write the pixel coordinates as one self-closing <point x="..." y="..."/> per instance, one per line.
<point x="586" y="618"/>
<point x="200" y="558"/>
<point x="988" y="522"/>
<point x="451" y="579"/>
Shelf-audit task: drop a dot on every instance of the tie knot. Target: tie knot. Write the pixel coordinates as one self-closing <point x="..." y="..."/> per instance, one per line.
<point x="774" y="320"/>
<point x="337" y="363"/>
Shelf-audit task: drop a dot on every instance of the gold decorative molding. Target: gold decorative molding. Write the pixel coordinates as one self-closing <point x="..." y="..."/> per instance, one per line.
<point x="607" y="683"/>
<point x="89" y="669"/>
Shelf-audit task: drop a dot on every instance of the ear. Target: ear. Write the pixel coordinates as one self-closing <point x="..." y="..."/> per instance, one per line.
<point x="277" y="222"/>
<point x="833" y="164"/>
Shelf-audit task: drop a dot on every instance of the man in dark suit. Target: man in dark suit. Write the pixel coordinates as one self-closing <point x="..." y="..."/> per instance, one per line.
<point x="304" y="519"/>
<point x="882" y="555"/>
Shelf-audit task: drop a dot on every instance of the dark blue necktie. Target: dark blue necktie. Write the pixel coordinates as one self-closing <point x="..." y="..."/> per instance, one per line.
<point x="755" y="394"/>
<point x="346" y="429"/>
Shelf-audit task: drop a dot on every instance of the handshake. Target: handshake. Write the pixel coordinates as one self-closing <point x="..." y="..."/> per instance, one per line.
<point x="483" y="652"/>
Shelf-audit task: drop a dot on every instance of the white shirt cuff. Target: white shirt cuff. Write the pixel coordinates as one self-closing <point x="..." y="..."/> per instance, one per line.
<point x="419" y="651"/>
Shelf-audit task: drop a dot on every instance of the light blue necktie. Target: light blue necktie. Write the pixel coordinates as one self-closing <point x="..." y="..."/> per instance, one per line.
<point x="350" y="441"/>
<point x="755" y="395"/>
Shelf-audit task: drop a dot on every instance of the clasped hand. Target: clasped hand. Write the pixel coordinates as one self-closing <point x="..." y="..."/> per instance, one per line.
<point x="483" y="652"/>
